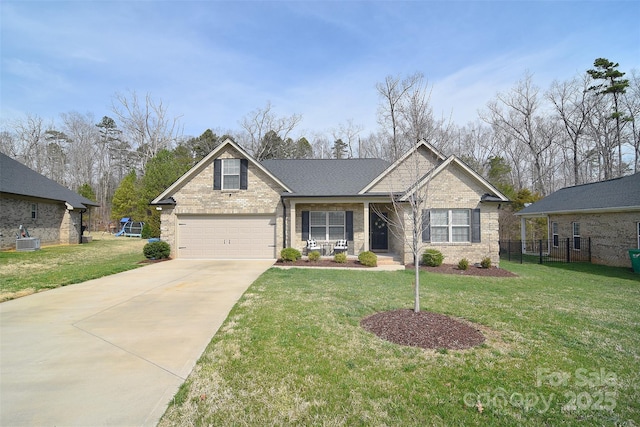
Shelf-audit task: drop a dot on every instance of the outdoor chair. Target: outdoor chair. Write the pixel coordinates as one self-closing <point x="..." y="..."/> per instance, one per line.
<point x="340" y="246"/>
<point x="312" y="245"/>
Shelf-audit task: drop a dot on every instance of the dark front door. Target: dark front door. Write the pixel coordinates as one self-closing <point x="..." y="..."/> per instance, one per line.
<point x="378" y="232"/>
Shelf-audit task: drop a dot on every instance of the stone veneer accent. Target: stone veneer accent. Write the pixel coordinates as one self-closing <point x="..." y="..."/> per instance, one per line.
<point x="612" y="234"/>
<point x="53" y="225"/>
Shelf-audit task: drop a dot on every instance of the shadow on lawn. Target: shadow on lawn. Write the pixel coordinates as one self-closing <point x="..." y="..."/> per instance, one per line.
<point x="600" y="270"/>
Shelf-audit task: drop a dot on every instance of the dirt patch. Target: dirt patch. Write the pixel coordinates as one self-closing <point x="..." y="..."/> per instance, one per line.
<point x="351" y="263"/>
<point x="471" y="271"/>
<point x="153" y="261"/>
<point x="424" y="329"/>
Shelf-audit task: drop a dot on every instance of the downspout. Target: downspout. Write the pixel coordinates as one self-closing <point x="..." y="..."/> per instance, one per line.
<point x="284" y="223"/>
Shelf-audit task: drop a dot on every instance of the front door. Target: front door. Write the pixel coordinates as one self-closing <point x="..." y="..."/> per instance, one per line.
<point x="378" y="232"/>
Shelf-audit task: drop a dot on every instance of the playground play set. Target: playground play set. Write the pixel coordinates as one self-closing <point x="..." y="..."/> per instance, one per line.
<point x="130" y="228"/>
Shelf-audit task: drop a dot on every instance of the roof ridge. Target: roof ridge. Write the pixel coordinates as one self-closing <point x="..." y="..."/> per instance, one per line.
<point x="598" y="182"/>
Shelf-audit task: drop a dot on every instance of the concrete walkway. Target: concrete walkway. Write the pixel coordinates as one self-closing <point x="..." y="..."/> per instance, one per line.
<point x="113" y="351"/>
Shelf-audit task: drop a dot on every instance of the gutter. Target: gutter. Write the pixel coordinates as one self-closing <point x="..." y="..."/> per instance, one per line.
<point x="284" y="223"/>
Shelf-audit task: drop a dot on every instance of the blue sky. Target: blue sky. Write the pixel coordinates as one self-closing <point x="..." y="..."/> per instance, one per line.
<point x="212" y="62"/>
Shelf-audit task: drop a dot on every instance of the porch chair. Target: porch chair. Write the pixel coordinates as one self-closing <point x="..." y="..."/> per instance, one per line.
<point x="341" y="246"/>
<point x="312" y="245"/>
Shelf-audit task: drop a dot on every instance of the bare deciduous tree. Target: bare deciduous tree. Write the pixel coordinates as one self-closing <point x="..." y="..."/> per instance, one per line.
<point x="261" y="121"/>
<point x="146" y="124"/>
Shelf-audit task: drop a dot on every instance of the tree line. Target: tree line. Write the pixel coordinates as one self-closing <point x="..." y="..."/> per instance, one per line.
<point x="528" y="141"/>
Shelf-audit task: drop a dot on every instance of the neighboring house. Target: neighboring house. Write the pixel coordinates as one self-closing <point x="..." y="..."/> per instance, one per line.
<point x="231" y="206"/>
<point x="608" y="212"/>
<point x="49" y="211"/>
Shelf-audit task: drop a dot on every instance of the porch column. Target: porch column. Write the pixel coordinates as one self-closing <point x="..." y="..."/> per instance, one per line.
<point x="366" y="226"/>
<point x="523" y="233"/>
<point x="292" y="223"/>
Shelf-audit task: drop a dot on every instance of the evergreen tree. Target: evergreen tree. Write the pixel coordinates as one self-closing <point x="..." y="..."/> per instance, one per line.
<point x="125" y="198"/>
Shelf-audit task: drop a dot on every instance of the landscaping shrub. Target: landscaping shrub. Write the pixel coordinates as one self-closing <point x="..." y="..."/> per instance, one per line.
<point x="146" y="231"/>
<point x="486" y="262"/>
<point x="314" y="256"/>
<point x="290" y="254"/>
<point x="368" y="258"/>
<point x="463" y="264"/>
<point x="156" y="250"/>
<point x="340" y="258"/>
<point x="432" y="258"/>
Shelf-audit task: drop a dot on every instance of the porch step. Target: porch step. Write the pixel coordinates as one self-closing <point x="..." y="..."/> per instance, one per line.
<point x="388" y="259"/>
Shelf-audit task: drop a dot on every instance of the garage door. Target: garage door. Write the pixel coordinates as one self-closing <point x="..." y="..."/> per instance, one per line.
<point x="226" y="237"/>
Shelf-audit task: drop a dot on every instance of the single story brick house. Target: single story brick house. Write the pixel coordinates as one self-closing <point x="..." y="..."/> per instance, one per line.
<point x="231" y="206"/>
<point x="608" y="212"/>
<point x="49" y="211"/>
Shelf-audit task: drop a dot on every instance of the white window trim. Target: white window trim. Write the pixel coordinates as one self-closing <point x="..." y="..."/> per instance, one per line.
<point x="573" y="230"/>
<point x="555" y="238"/>
<point x="450" y="226"/>
<point x="223" y="175"/>
<point x="34" y="211"/>
<point x="327" y="225"/>
<point x="638" y="228"/>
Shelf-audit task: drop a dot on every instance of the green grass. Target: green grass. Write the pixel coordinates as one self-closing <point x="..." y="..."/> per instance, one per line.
<point x="23" y="273"/>
<point x="292" y="352"/>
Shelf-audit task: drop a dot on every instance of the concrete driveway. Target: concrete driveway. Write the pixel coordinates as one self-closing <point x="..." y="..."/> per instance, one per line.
<point x="113" y="351"/>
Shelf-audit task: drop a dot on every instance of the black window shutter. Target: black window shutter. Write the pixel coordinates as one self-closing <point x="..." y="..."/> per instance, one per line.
<point x="244" y="167"/>
<point x="426" y="225"/>
<point x="475" y="226"/>
<point x="305" y="225"/>
<point x="349" y="224"/>
<point x="217" y="174"/>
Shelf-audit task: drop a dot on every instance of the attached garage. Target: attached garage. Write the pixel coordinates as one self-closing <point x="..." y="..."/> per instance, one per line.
<point x="226" y="237"/>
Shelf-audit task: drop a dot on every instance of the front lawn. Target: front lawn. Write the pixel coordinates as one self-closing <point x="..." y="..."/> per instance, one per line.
<point x="562" y="348"/>
<point x="23" y="273"/>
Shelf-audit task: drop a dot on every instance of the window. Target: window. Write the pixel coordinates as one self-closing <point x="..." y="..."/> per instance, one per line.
<point x="554" y="234"/>
<point x="231" y="174"/>
<point x="576" y="236"/>
<point x="450" y="225"/>
<point x="327" y="225"/>
<point x="34" y="211"/>
<point x="638" y="224"/>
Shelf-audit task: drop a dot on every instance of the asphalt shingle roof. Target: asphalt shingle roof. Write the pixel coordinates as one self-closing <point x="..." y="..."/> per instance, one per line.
<point x="618" y="193"/>
<point x="326" y="177"/>
<point x="16" y="178"/>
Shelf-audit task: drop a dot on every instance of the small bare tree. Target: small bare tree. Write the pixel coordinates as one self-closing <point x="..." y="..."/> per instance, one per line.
<point x="408" y="187"/>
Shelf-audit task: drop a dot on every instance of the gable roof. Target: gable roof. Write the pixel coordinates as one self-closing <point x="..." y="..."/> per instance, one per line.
<point x="619" y="194"/>
<point x="392" y="167"/>
<point x="494" y="194"/>
<point x="326" y="177"/>
<point x="163" y="198"/>
<point x="18" y="179"/>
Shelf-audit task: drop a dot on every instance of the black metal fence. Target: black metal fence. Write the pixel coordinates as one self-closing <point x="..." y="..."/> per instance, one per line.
<point x="575" y="249"/>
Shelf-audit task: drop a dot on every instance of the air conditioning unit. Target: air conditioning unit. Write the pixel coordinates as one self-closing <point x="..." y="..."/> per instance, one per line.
<point x="28" y="244"/>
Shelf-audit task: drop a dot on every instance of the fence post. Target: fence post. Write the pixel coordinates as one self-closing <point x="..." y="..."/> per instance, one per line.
<point x="589" y="250"/>
<point x="568" y="251"/>
<point x="540" y="245"/>
<point x="509" y="250"/>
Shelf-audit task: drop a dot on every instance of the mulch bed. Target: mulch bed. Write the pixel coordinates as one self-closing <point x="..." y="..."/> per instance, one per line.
<point x="351" y="263"/>
<point x="153" y="261"/>
<point x="423" y="329"/>
<point x="471" y="271"/>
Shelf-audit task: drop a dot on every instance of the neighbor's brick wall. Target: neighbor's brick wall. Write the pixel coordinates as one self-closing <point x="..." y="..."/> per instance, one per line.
<point x="612" y="234"/>
<point x="53" y="225"/>
<point x="454" y="188"/>
<point x="197" y="197"/>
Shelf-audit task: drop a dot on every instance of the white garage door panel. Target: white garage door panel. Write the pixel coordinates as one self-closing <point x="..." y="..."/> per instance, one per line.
<point x="226" y="237"/>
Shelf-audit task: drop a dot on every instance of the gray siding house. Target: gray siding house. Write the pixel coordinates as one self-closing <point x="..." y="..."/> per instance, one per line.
<point x="608" y="212"/>
<point x="230" y="205"/>
<point x="50" y="211"/>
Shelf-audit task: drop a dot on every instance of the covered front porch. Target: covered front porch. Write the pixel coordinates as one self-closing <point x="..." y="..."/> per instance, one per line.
<point x="364" y="224"/>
